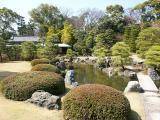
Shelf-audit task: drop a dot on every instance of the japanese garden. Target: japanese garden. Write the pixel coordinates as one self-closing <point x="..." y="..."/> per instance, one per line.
<point x="95" y="64"/>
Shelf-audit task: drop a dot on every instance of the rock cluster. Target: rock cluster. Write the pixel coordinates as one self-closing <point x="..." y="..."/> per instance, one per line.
<point x="45" y="99"/>
<point x="153" y="74"/>
<point x="133" y="86"/>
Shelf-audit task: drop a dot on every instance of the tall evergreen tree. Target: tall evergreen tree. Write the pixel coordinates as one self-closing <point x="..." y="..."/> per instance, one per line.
<point x="130" y="36"/>
<point x="146" y="39"/>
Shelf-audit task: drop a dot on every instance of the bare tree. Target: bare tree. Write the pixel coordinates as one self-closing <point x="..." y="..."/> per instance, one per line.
<point x="133" y="14"/>
<point x="91" y="17"/>
<point x="66" y="12"/>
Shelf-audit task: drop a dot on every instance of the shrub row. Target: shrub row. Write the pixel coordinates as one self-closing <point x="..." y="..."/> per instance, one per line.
<point x="40" y="61"/>
<point x="21" y="86"/>
<point x="45" y="67"/>
<point x="95" y="102"/>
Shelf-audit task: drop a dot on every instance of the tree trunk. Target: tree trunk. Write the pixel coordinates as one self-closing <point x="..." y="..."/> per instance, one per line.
<point x="1" y="59"/>
<point x="123" y="68"/>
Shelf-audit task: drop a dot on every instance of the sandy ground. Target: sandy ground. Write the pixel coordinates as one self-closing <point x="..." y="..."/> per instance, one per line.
<point x="12" y="110"/>
<point x="136" y="103"/>
<point x="15" y="66"/>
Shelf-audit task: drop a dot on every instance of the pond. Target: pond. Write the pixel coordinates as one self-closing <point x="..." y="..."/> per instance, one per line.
<point x="87" y="74"/>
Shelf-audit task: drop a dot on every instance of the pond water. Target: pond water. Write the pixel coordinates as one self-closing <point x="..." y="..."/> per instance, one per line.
<point x="87" y="74"/>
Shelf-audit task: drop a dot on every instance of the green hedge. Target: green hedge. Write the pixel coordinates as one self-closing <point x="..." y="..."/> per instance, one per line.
<point x="21" y="86"/>
<point x="95" y="102"/>
<point x="40" y="61"/>
<point x="45" y="67"/>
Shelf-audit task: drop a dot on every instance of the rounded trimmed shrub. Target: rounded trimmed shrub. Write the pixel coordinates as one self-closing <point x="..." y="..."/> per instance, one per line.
<point x="45" y="67"/>
<point x="22" y="85"/>
<point x="95" y="102"/>
<point x="40" y="61"/>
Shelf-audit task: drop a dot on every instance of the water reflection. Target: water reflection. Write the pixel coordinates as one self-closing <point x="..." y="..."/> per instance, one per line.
<point x="88" y="74"/>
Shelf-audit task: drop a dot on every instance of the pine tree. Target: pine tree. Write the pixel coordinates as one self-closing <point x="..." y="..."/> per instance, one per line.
<point x="135" y="29"/>
<point x="127" y="35"/>
<point x="130" y="36"/>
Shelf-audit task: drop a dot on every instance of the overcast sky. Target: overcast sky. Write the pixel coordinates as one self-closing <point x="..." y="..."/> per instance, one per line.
<point x="22" y="7"/>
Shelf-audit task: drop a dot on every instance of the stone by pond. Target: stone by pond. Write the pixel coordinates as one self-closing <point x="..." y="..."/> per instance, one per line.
<point x="87" y="74"/>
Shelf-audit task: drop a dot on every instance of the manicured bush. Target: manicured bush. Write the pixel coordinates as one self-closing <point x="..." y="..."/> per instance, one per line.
<point x="22" y="85"/>
<point x="95" y="102"/>
<point x="54" y="61"/>
<point x="40" y="61"/>
<point x="45" y="67"/>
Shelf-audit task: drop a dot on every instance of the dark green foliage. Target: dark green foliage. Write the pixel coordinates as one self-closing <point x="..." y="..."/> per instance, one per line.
<point x="95" y="102"/>
<point x="146" y="39"/>
<point x="130" y="36"/>
<point x="26" y="29"/>
<point x="153" y="57"/>
<point x="45" y="67"/>
<point x="79" y="35"/>
<point x="28" y="50"/>
<point x="80" y="47"/>
<point x="2" y="48"/>
<point x="114" y="19"/>
<point x="40" y="61"/>
<point x="21" y="86"/>
<point x="46" y="16"/>
<point x="120" y="54"/>
<point x="51" y="49"/>
<point x="14" y="52"/>
<point x="106" y="38"/>
<point x="7" y="19"/>
<point x="40" y="51"/>
<point x="89" y="41"/>
<point x="149" y="10"/>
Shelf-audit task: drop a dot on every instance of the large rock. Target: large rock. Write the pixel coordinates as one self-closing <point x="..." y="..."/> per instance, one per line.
<point x="153" y="74"/>
<point x="61" y="65"/>
<point x="133" y="86"/>
<point x="45" y="99"/>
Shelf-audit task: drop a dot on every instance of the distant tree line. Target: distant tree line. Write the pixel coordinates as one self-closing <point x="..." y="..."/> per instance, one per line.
<point x="92" y="32"/>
